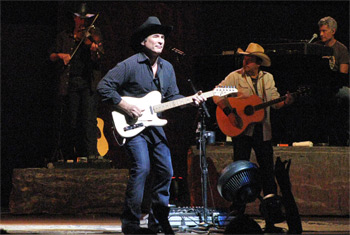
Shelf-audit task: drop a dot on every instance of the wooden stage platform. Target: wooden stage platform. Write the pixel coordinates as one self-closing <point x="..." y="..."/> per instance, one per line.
<point x="319" y="177"/>
<point x="111" y="224"/>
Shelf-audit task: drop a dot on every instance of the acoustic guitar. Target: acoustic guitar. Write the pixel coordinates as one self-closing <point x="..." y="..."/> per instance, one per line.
<point x="102" y="144"/>
<point x="247" y="111"/>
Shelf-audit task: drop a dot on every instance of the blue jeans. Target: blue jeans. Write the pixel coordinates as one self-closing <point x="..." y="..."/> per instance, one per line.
<point x="146" y="157"/>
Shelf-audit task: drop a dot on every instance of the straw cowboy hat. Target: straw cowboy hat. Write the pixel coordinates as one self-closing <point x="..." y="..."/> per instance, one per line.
<point x="151" y="26"/>
<point x="82" y="12"/>
<point x="256" y="50"/>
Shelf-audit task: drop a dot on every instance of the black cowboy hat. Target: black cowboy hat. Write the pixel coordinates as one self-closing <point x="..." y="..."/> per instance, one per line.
<point x="151" y="26"/>
<point x="82" y="12"/>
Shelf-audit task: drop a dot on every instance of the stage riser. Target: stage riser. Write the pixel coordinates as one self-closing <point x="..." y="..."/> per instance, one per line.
<point x="68" y="191"/>
<point x="319" y="177"/>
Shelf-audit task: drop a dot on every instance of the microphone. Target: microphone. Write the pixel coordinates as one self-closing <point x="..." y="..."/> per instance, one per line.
<point x="177" y="51"/>
<point x="313" y="37"/>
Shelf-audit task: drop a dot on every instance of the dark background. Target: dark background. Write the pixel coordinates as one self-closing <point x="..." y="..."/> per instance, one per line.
<point x="202" y="29"/>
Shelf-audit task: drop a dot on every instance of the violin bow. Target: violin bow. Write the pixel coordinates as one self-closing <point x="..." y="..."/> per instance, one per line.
<point x="92" y="25"/>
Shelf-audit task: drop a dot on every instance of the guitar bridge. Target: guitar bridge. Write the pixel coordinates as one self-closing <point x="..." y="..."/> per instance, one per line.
<point x="132" y="127"/>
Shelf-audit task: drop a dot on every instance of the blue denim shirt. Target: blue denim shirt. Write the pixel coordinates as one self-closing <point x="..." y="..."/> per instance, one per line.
<point x="134" y="77"/>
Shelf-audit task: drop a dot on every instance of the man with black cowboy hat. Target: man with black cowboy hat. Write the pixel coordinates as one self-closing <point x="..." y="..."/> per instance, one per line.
<point x="78" y="61"/>
<point x="136" y="76"/>
<point x="251" y="80"/>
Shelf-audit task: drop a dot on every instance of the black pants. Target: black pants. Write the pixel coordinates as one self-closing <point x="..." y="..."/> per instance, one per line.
<point x="79" y="137"/>
<point x="242" y="146"/>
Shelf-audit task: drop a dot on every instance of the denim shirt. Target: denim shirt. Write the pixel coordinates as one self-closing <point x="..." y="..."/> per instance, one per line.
<point x="133" y="77"/>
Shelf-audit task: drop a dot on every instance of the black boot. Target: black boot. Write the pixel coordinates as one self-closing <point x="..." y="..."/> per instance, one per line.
<point x="161" y="213"/>
<point x="271" y="209"/>
<point x="153" y="224"/>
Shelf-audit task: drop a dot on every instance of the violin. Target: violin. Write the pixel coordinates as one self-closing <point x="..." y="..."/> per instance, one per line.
<point x="89" y="36"/>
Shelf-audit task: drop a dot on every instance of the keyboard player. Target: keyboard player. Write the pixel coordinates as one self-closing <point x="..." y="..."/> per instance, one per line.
<point x="338" y="105"/>
<point x="339" y="61"/>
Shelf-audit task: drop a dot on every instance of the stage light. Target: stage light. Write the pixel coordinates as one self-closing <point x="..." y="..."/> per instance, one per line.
<point x="240" y="182"/>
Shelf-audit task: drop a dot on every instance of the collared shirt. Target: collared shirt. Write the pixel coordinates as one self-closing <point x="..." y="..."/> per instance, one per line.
<point x="81" y="64"/>
<point x="134" y="77"/>
<point x="266" y="91"/>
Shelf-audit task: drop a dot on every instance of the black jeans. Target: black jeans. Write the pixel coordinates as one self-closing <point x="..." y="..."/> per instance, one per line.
<point x="242" y="146"/>
<point x="80" y="134"/>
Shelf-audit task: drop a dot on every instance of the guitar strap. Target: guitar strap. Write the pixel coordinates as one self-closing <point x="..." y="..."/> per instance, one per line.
<point x="263" y="88"/>
<point x="255" y="87"/>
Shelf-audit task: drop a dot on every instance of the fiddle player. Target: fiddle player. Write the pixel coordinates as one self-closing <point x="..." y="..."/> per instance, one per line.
<point x="77" y="52"/>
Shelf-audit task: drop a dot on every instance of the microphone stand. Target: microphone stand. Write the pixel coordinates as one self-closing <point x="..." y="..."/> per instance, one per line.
<point x="204" y="165"/>
<point x="202" y="148"/>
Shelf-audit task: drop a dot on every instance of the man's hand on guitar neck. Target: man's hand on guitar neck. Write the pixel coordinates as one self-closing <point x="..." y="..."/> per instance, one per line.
<point x="131" y="110"/>
<point x="289" y="100"/>
<point x="198" y="98"/>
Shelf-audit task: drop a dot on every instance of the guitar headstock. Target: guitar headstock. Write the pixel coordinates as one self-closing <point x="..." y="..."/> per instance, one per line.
<point x="303" y="90"/>
<point x="224" y="90"/>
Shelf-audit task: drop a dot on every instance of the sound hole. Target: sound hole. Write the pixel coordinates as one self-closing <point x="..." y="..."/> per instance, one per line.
<point x="249" y="110"/>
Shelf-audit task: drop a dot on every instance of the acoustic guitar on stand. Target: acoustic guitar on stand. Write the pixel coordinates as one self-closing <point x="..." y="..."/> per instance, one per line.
<point x="128" y="127"/>
<point x="246" y="111"/>
<point x="102" y="143"/>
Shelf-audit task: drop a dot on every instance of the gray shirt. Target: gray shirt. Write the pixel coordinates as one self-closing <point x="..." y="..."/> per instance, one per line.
<point x="340" y="55"/>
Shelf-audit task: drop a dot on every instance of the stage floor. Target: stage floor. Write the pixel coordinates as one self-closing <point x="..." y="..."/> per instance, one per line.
<point x="111" y="224"/>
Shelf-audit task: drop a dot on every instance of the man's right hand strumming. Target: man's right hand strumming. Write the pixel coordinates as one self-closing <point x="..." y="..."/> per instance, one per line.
<point x="131" y="110"/>
<point x="232" y="115"/>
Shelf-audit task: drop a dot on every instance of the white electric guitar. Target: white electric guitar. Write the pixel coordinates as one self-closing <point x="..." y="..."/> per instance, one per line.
<point x="127" y="126"/>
